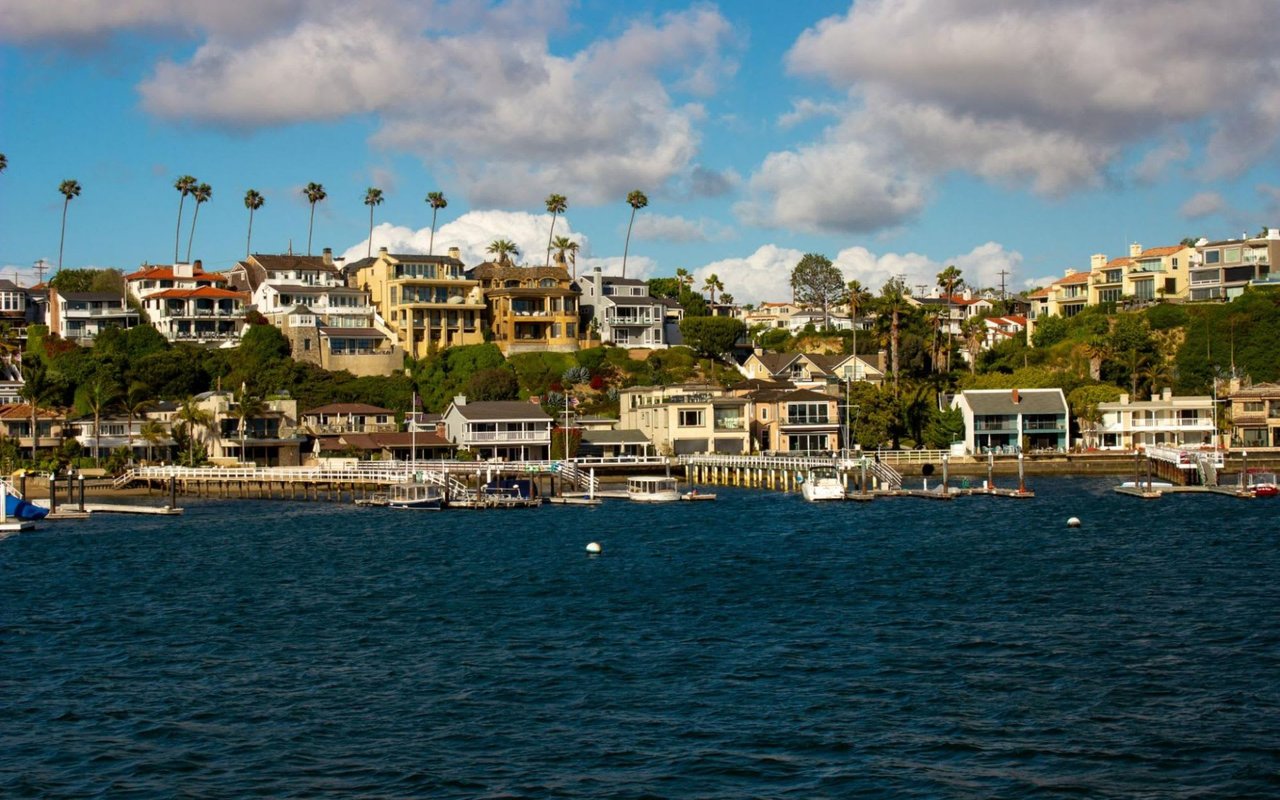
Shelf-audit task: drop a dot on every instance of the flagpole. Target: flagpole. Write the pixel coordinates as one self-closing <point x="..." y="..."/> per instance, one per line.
<point x="413" y="435"/>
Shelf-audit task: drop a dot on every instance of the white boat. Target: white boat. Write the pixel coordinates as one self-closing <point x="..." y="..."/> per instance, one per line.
<point x="417" y="496"/>
<point x="694" y="494"/>
<point x="653" y="489"/>
<point x="1155" y="485"/>
<point x="822" y="483"/>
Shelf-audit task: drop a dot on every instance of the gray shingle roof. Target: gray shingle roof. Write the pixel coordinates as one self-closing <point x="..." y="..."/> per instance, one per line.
<point x="1030" y="401"/>
<point x="491" y="410"/>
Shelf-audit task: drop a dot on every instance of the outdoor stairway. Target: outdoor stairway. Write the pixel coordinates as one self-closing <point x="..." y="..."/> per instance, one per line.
<point x="889" y="477"/>
<point x="569" y="471"/>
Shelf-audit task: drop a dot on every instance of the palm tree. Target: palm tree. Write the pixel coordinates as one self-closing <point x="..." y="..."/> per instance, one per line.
<point x="437" y="201"/>
<point x="252" y="201"/>
<point x="949" y="279"/>
<point x="683" y="277"/>
<point x="565" y="248"/>
<point x="372" y="197"/>
<point x="934" y="317"/>
<point x="137" y="399"/>
<point x="100" y="393"/>
<point x="712" y="284"/>
<point x="202" y="194"/>
<point x="504" y="249"/>
<point x="637" y="200"/>
<point x="893" y="301"/>
<point x="4" y="162"/>
<point x="857" y="299"/>
<point x="1098" y="349"/>
<point x="191" y="413"/>
<point x="153" y="431"/>
<point x="315" y="193"/>
<point x="247" y="408"/>
<point x="975" y="331"/>
<point x="184" y="184"/>
<point x="37" y="388"/>
<point x="70" y="188"/>
<point x="726" y="299"/>
<point x="556" y="205"/>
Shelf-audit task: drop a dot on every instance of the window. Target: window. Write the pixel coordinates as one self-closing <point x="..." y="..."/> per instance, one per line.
<point x="1212" y="256"/>
<point x="1254" y="407"/>
<point x="691" y="417"/>
<point x="1231" y="255"/>
<point x="807" y="413"/>
<point x="1175" y="262"/>
<point x="764" y="413"/>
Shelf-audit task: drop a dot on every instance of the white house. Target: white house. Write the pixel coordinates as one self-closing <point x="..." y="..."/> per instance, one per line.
<point x="1013" y="420"/>
<point x="507" y="429"/>
<point x="1165" y="420"/>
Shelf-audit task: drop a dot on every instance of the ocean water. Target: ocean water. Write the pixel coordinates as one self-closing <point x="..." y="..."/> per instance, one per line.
<point x="757" y="646"/>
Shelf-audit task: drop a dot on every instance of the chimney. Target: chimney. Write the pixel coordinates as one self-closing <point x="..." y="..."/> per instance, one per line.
<point x="1135" y="250"/>
<point x="455" y="253"/>
<point x="882" y="360"/>
<point x="1016" y="398"/>
<point x="1068" y="272"/>
<point x="1124" y="398"/>
<point x="382" y="251"/>
<point x="327" y="257"/>
<point x="1166" y="393"/>
<point x="1097" y="261"/>
<point x="198" y="266"/>
<point x="459" y="399"/>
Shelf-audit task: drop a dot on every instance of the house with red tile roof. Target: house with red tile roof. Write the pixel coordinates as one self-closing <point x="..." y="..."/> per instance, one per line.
<point x="185" y="303"/>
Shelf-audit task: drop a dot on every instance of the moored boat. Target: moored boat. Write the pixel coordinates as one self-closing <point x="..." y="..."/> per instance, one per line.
<point x="417" y="496"/>
<point x="1263" y="484"/>
<point x="694" y="494"/>
<point x="822" y="483"/>
<point x="653" y="489"/>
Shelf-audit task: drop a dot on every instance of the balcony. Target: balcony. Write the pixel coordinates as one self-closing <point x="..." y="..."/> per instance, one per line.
<point x="631" y="320"/>
<point x="543" y="436"/>
<point x="95" y="313"/>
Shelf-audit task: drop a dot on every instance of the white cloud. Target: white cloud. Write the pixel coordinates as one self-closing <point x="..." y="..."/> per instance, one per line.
<point x="804" y="109"/>
<point x="657" y="227"/>
<point x="1202" y="204"/>
<point x="479" y="94"/>
<point x="71" y="21"/>
<point x="1040" y="94"/>
<point x="763" y="275"/>
<point x="472" y="233"/>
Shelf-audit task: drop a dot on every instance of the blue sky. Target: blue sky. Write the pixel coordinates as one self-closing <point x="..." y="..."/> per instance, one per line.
<point x="896" y="137"/>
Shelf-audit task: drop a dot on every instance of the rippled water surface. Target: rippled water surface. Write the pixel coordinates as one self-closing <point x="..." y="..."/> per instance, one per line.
<point x="757" y="646"/>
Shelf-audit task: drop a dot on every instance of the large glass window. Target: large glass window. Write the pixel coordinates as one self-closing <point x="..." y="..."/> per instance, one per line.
<point x="807" y="413"/>
<point x="691" y="417"/>
<point x="1212" y="256"/>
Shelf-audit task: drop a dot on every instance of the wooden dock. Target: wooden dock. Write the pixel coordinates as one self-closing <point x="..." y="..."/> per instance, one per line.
<point x="1156" y="493"/>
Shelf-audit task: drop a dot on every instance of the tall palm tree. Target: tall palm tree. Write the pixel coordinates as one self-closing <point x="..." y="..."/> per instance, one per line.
<point x="202" y="194"/>
<point x="893" y="301"/>
<point x="184" y="184"/>
<point x="637" y="200"/>
<point x="70" y="188"/>
<point x="37" y="388"/>
<point x="556" y="205"/>
<point x="137" y="399"/>
<point x="247" y="408"/>
<point x="975" y="331"/>
<point x="315" y="193"/>
<point x="372" y="197"/>
<point x="504" y="249"/>
<point x="191" y="413"/>
<point x="712" y="284"/>
<point x="252" y="201"/>
<point x="949" y="279"/>
<point x="152" y="432"/>
<point x="437" y="201"/>
<point x="1098" y="349"/>
<point x="99" y="394"/>
<point x="857" y="299"/>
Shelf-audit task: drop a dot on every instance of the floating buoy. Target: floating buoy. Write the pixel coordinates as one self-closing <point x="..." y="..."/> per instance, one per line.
<point x="1074" y="522"/>
<point x="594" y="548"/>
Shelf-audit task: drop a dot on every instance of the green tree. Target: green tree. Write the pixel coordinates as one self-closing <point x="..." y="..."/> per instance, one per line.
<point x="637" y="200"/>
<point x="247" y="407"/>
<point x="314" y="193"/>
<point x="950" y="279"/>
<point x="494" y="383"/>
<point x="712" y="285"/>
<point x="98" y="395"/>
<point x="372" y="198"/>
<point x="38" y="388"/>
<point x="252" y="201"/>
<point x="193" y="416"/>
<point x="69" y="188"/>
<point x="711" y="336"/>
<point x="4" y="162"/>
<point x="201" y="194"/>
<point x="556" y="205"/>
<point x="437" y="201"/>
<point x="566" y="251"/>
<point x="184" y="184"/>
<point x="153" y="432"/>
<point x="1083" y="402"/>
<point x="893" y="304"/>
<point x="944" y="428"/>
<point x="816" y="282"/>
<point x="1049" y="331"/>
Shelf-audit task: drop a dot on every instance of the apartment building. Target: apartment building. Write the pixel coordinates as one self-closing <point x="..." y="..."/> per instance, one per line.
<point x="529" y="308"/>
<point x="427" y="301"/>
<point x="1222" y="270"/>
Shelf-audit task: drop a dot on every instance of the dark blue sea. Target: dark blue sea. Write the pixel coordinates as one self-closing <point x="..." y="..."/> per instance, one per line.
<point x="757" y="646"/>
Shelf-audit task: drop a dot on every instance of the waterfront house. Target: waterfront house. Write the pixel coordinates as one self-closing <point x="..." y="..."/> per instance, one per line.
<point x="529" y="309"/>
<point x="80" y="316"/>
<point x="810" y="370"/>
<point x="1166" y="421"/>
<point x="15" y="425"/>
<point x="687" y="418"/>
<point x="614" y="443"/>
<point x="271" y="437"/>
<point x="1255" y="415"/>
<point x="143" y="439"/>
<point x="336" y="418"/>
<point x="384" y="446"/>
<point x="790" y="421"/>
<point x="185" y="303"/>
<point x="428" y="301"/>
<point x="1013" y="420"/>
<point x="506" y="429"/>
<point x="621" y="311"/>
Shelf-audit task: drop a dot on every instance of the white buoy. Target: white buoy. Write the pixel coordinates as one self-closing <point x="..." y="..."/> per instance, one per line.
<point x="1074" y="522"/>
<point x="594" y="548"/>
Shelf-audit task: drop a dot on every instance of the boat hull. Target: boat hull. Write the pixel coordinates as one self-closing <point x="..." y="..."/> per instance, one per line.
<point x="822" y="491"/>
<point x="22" y="510"/>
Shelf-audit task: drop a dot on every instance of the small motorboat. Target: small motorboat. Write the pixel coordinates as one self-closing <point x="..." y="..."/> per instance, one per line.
<point x="417" y="496"/>
<point x="653" y="489"/>
<point x="822" y="483"/>
<point x="694" y="495"/>
<point x="1263" y="484"/>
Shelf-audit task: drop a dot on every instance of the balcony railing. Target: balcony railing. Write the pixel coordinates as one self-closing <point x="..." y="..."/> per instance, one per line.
<point x="646" y="319"/>
<point x="508" y="436"/>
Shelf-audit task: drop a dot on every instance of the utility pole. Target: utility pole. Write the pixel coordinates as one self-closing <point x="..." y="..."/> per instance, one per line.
<point x="1003" y="294"/>
<point x="40" y="268"/>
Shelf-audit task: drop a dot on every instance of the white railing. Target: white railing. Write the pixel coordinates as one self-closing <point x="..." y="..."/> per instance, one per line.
<point x="1185" y="457"/>
<point x="543" y="437"/>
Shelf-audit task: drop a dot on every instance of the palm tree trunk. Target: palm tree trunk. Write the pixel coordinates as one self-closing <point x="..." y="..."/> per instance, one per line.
<point x="310" y="227"/>
<point x="63" y="237"/>
<point x="192" y="235"/>
<point x="431" y="244"/>
<point x="35" y="433"/>
<point x="177" y="233"/>
<point x="369" y="250"/>
<point x="97" y="441"/>
<point x="893" y="343"/>
<point x="549" y="237"/>
<point x="248" y="242"/>
<point x="627" y="246"/>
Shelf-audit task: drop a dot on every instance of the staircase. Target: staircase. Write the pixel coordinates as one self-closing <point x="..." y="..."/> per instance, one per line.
<point x="454" y="488"/>
<point x="569" y="471"/>
<point x="1207" y="469"/>
<point x="888" y="477"/>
